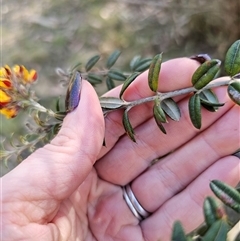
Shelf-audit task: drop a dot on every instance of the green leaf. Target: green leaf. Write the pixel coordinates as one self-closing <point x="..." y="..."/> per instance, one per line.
<point x="112" y="59"/>
<point x="110" y="83"/>
<point x="143" y="65"/>
<point x="232" y="59"/>
<point x="127" y="126"/>
<point x="57" y="105"/>
<point x="160" y="125"/>
<point x="116" y="75"/>
<point x="217" y="232"/>
<point x="127" y="82"/>
<point x="234" y="91"/>
<point x="178" y="233"/>
<point x="134" y="62"/>
<point x="73" y="92"/>
<point x="111" y="102"/>
<point x="154" y="70"/>
<point x="212" y="211"/>
<point x="159" y="116"/>
<point x="205" y="73"/>
<point x="91" y="62"/>
<point x="94" y="79"/>
<point x="171" y="108"/>
<point x="158" y="111"/>
<point x="194" y="106"/>
<point x="209" y="100"/>
<point x="227" y="194"/>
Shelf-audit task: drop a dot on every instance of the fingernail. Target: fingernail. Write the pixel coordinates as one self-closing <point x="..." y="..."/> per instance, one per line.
<point x="73" y="92"/>
<point x="201" y="58"/>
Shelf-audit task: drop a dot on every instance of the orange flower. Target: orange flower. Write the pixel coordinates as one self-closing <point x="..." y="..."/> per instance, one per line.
<point x="5" y="83"/>
<point x="9" y="112"/>
<point x="5" y="71"/>
<point x="4" y="98"/>
<point x="22" y="72"/>
<point x="14" y="88"/>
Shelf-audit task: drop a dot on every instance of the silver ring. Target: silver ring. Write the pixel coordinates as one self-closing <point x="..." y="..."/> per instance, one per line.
<point x="132" y="202"/>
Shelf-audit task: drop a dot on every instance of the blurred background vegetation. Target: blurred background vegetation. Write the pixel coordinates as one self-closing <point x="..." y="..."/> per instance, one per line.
<point x="56" y="33"/>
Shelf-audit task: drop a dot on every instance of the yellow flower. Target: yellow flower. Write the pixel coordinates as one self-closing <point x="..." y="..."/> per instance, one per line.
<point x="5" y="71"/>
<point x="4" y="98"/>
<point x="9" y="112"/>
<point x="22" y="72"/>
<point x="5" y="83"/>
<point x="14" y="88"/>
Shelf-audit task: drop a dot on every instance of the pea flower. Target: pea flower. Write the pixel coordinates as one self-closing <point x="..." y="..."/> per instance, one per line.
<point x="15" y="91"/>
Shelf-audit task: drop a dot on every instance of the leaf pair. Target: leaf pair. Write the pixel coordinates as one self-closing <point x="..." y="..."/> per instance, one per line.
<point x="165" y="107"/>
<point x="205" y="98"/>
<point x="139" y="65"/>
<point x="205" y="73"/>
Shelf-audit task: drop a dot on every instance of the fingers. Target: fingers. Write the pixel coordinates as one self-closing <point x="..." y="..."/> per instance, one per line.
<point x="175" y="74"/>
<point x="127" y="160"/>
<point x="174" y="172"/>
<point x="57" y="169"/>
<point x="187" y="205"/>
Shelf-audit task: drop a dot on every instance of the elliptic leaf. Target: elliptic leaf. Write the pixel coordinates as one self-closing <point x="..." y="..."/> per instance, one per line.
<point x="111" y="102"/>
<point x="127" y="82"/>
<point x="160" y="125"/>
<point x="178" y="233"/>
<point x="94" y="79"/>
<point x="127" y="126"/>
<point x="217" y="232"/>
<point x="73" y="92"/>
<point x="116" y="75"/>
<point x="91" y="62"/>
<point x="212" y="211"/>
<point x="112" y="58"/>
<point x="158" y="118"/>
<point x="154" y="70"/>
<point x="110" y="83"/>
<point x="57" y="105"/>
<point x="234" y="91"/>
<point x="158" y="112"/>
<point x="194" y="106"/>
<point x="209" y="100"/>
<point x="227" y="194"/>
<point x="171" y="108"/>
<point x="134" y="62"/>
<point x="143" y="65"/>
<point x="232" y="59"/>
<point x="205" y="73"/>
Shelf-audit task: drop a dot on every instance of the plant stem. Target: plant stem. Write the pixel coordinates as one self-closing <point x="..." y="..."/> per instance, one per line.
<point x="171" y="94"/>
<point x="41" y="108"/>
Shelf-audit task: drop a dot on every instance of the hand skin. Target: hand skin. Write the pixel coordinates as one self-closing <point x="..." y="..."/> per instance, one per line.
<point x="71" y="188"/>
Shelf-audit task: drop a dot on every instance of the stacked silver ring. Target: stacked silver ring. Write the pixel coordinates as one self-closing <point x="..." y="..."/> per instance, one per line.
<point x="132" y="202"/>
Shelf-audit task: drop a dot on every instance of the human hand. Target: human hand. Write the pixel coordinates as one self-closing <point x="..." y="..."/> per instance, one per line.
<point x="57" y="193"/>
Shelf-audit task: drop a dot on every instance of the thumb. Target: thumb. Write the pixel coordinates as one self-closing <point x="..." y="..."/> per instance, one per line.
<point x="60" y="167"/>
